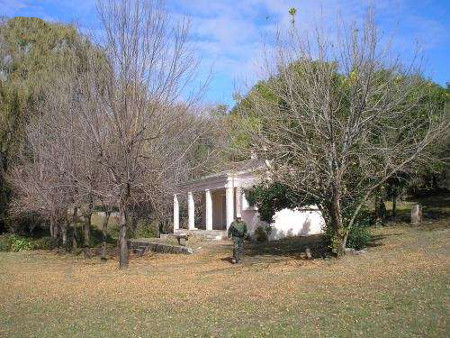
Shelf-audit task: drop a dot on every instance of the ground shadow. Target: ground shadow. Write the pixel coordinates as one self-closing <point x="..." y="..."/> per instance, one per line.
<point x="376" y="240"/>
<point x="436" y="205"/>
<point x="227" y="259"/>
<point x="294" y="247"/>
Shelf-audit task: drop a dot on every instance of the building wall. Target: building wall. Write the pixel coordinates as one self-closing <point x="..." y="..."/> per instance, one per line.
<point x="286" y="222"/>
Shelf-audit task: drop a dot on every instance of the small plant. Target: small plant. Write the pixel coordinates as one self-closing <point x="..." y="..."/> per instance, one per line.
<point x="359" y="237"/>
<point x="21" y="244"/>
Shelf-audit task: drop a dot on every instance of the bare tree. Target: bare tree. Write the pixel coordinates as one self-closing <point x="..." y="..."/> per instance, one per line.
<point x="340" y="115"/>
<point x="130" y="104"/>
<point x="40" y="183"/>
<point x="57" y="168"/>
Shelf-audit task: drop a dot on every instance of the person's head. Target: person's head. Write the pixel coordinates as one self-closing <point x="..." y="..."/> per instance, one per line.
<point x="238" y="217"/>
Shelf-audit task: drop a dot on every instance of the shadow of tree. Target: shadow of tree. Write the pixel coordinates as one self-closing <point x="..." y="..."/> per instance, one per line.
<point x="376" y="240"/>
<point x="434" y="226"/>
<point x="288" y="247"/>
<point x="436" y="205"/>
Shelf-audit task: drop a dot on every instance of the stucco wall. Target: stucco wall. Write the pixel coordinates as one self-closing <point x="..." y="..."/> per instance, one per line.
<point x="286" y="222"/>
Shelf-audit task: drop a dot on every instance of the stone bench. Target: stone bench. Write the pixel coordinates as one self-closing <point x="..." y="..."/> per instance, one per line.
<point x="141" y="246"/>
<point x="179" y="237"/>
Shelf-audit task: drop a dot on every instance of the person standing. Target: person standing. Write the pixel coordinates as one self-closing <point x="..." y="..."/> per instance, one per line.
<point x="238" y="231"/>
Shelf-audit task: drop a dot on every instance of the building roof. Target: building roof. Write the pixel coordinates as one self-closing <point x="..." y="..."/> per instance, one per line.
<point x="230" y="169"/>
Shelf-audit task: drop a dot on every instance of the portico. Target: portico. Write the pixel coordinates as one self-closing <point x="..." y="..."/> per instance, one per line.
<point x="222" y="202"/>
<point x="223" y="196"/>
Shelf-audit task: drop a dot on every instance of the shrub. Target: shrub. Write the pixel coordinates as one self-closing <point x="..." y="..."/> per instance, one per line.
<point x="44" y="243"/>
<point x="10" y="242"/>
<point x="27" y="224"/>
<point x="166" y="227"/>
<point x="113" y="231"/>
<point x="6" y="242"/>
<point x="270" y="198"/>
<point x="21" y="244"/>
<point x="262" y="233"/>
<point x="145" y="230"/>
<point x="359" y="237"/>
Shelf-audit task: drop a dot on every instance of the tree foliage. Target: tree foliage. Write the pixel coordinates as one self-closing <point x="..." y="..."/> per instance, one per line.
<point x="271" y="197"/>
<point x="32" y="54"/>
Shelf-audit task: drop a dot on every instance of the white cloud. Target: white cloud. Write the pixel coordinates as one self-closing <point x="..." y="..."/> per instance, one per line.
<point x="228" y="34"/>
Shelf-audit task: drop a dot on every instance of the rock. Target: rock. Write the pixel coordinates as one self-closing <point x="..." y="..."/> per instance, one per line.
<point x="416" y="214"/>
<point x="159" y="247"/>
<point x="350" y="251"/>
<point x="308" y="253"/>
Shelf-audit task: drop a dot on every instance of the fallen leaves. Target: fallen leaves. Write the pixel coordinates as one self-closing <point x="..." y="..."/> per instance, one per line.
<point x="404" y="280"/>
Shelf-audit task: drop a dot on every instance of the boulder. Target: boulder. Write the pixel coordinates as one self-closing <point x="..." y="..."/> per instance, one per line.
<point x="351" y="251"/>
<point x="308" y="253"/>
<point x="416" y="214"/>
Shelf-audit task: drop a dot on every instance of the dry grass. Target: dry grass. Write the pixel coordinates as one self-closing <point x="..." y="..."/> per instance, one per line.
<point x="401" y="287"/>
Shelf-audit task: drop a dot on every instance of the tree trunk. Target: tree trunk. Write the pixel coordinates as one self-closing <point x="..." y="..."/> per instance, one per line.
<point x="87" y="235"/>
<point x="56" y="229"/>
<point x="394" y="206"/>
<point x="51" y="228"/>
<point x="376" y="205"/>
<point x="382" y="212"/>
<point x="339" y="238"/>
<point x="123" y="246"/>
<point x="104" y="235"/>
<point x="64" y="233"/>
<point x="434" y="183"/>
<point x="341" y="242"/>
<point x="74" y="227"/>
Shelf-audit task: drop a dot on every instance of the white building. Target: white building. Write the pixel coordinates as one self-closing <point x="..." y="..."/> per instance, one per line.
<point x="224" y="199"/>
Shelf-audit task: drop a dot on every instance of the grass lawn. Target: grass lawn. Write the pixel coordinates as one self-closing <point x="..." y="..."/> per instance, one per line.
<point x="399" y="288"/>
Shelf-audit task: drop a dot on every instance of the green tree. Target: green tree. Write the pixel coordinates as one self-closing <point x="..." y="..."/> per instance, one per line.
<point x="32" y="53"/>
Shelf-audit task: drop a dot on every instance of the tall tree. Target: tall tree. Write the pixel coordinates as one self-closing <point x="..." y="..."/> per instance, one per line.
<point x="32" y="52"/>
<point x="338" y="117"/>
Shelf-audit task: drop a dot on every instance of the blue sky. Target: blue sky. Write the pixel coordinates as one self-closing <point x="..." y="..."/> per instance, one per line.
<point x="228" y="33"/>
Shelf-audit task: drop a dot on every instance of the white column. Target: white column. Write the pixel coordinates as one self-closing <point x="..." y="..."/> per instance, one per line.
<point x="176" y="213"/>
<point x="191" y="211"/>
<point x="238" y="201"/>
<point x="230" y="202"/>
<point x="209" y="210"/>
